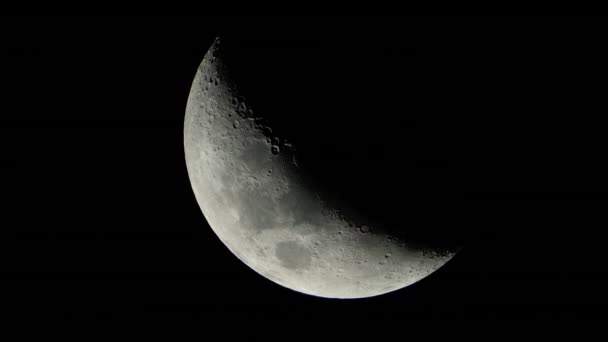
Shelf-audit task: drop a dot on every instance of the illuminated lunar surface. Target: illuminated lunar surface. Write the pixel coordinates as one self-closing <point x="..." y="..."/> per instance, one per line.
<point x="253" y="194"/>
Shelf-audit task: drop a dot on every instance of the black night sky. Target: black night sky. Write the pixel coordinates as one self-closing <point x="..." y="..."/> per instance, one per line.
<point x="99" y="220"/>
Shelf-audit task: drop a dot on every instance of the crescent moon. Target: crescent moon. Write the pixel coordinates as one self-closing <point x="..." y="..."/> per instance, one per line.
<point x="254" y="195"/>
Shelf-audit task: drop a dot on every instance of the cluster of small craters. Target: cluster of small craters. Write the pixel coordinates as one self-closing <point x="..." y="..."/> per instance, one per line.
<point x="438" y="253"/>
<point x="272" y="140"/>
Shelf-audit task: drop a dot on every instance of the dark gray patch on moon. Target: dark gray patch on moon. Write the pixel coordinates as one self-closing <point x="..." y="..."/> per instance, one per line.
<point x="257" y="212"/>
<point x="293" y="255"/>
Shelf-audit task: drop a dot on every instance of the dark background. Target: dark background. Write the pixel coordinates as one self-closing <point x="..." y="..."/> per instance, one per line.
<point x="99" y="220"/>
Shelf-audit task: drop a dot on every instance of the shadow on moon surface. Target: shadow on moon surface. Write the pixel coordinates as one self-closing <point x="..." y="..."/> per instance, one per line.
<point x="370" y="136"/>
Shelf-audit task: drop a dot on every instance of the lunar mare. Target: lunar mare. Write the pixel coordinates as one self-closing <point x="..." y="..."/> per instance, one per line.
<point x="250" y="189"/>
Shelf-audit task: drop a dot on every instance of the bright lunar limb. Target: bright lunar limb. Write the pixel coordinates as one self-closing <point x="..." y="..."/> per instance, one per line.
<point x="250" y="188"/>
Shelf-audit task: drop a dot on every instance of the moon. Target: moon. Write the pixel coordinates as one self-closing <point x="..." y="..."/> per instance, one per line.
<point x="259" y="200"/>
